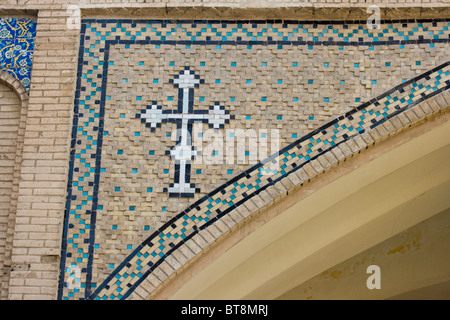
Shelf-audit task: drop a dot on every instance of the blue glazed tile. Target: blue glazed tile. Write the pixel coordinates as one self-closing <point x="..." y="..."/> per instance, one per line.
<point x="6" y="53"/>
<point x="23" y="53"/>
<point x="17" y="47"/>
<point x="25" y="28"/>
<point x="7" y="28"/>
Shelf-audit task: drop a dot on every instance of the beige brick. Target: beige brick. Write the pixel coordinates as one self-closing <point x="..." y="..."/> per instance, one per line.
<point x="44" y="168"/>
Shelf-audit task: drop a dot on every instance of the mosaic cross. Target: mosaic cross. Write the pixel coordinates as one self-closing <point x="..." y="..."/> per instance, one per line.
<point x="153" y="116"/>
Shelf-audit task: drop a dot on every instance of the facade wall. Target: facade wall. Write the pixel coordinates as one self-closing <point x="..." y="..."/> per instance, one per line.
<point x="44" y="172"/>
<point x="14" y="109"/>
<point x="264" y="75"/>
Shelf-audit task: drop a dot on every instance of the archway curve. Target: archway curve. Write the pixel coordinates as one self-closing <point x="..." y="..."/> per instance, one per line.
<point x="15" y="85"/>
<point x="322" y="227"/>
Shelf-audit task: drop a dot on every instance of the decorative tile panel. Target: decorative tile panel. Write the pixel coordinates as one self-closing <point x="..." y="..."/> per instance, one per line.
<point x="313" y="82"/>
<point x="17" y="38"/>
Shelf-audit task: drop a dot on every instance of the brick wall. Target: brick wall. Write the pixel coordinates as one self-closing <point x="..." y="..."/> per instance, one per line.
<point x="14" y="129"/>
<point x="9" y="127"/>
<point x="38" y="4"/>
<point x="44" y="167"/>
<point x="42" y="178"/>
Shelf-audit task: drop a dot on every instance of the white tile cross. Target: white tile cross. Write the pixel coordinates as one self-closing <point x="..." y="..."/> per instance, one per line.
<point x="153" y="116"/>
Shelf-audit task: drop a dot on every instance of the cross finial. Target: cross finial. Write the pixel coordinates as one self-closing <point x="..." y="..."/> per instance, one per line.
<point x="186" y="79"/>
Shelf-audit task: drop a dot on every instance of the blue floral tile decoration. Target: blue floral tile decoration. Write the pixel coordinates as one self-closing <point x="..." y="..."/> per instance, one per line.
<point x="17" y="39"/>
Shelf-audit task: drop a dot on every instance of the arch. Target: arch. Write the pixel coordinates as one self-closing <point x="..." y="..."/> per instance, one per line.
<point x="411" y="265"/>
<point x="19" y="90"/>
<point x="310" y="233"/>
<point x="202" y="235"/>
<point x="16" y="85"/>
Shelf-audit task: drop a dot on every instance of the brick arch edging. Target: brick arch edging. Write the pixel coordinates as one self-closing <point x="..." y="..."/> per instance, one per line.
<point x="385" y="115"/>
<point x="17" y="87"/>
